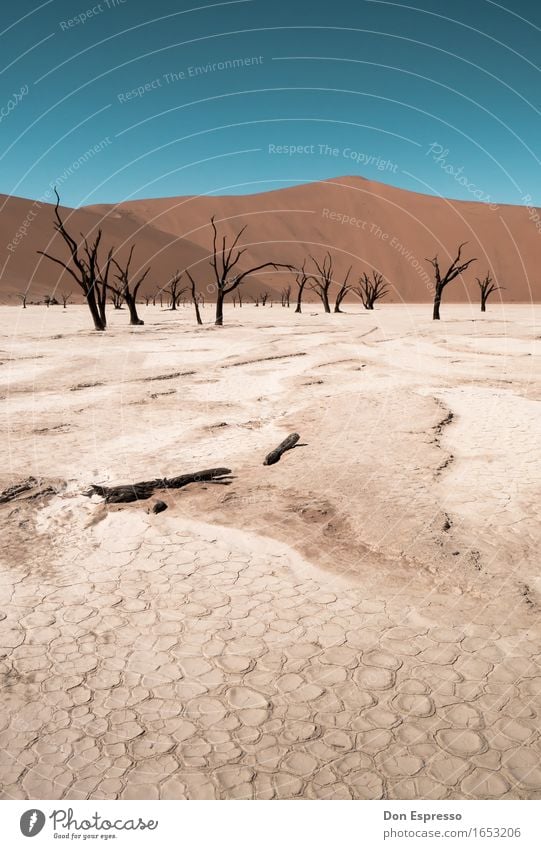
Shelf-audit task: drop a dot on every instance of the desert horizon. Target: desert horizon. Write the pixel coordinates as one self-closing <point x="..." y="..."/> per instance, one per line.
<point x="366" y="224"/>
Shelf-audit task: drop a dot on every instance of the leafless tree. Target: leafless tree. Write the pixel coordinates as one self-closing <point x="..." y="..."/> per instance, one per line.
<point x="84" y="266"/>
<point x="302" y="278"/>
<point x="487" y="287"/>
<point x="175" y="290"/>
<point x="345" y="287"/>
<point x="286" y="295"/>
<point x="23" y="297"/>
<point x="264" y="298"/>
<point x="147" y="299"/>
<point x="115" y="296"/>
<point x="195" y="297"/>
<point x="128" y="289"/>
<point x="457" y="267"/>
<point x="65" y="298"/>
<point x="224" y="261"/>
<point x="239" y="296"/>
<point x="371" y="290"/>
<point x="322" y="280"/>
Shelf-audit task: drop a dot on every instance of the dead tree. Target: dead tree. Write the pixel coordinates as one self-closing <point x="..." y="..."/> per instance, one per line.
<point x="302" y="278"/>
<point x="175" y="290"/>
<point x="195" y="297"/>
<point x="239" y="296"/>
<point x="487" y="287"/>
<point x="224" y="261"/>
<point x="128" y="289"/>
<point x="286" y="295"/>
<point x="370" y="291"/>
<point x="65" y="298"/>
<point x="115" y="296"/>
<point x="23" y="296"/>
<point x="342" y="292"/>
<point x="147" y="298"/>
<point x="126" y="493"/>
<point x="264" y="298"/>
<point x="322" y="281"/>
<point x="457" y="267"/>
<point x="84" y="266"/>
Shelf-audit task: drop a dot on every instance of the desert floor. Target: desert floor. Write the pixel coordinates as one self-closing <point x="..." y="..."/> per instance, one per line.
<point x="360" y="620"/>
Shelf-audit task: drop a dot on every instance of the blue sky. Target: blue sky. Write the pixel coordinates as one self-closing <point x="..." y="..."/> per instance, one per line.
<point x="116" y="100"/>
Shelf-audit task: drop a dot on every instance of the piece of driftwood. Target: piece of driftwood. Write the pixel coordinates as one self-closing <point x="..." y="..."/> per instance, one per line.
<point x="159" y="507"/>
<point x="288" y="443"/>
<point x="29" y="489"/>
<point x="126" y="493"/>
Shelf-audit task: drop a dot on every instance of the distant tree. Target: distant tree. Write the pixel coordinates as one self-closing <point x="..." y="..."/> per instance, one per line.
<point x="175" y="290"/>
<point x="457" y="267"/>
<point x="487" y="287"/>
<point x="65" y="298"/>
<point x="224" y="261"/>
<point x="23" y="298"/>
<point x="323" y="279"/>
<point x="147" y="299"/>
<point x="371" y="290"/>
<point x="342" y="292"/>
<point x="115" y="296"/>
<point x="286" y="295"/>
<point x="195" y="298"/>
<point x="264" y="298"/>
<point x="129" y="288"/>
<point x="84" y="266"/>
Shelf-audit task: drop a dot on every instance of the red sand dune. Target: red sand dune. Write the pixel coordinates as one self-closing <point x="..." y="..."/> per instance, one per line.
<point x="363" y="223"/>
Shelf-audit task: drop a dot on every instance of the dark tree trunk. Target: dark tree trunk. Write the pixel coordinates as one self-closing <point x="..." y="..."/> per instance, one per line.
<point x="197" y="312"/>
<point x="483" y="306"/>
<point x="95" y="312"/>
<point x="325" y="299"/>
<point x="132" y="306"/>
<point x="219" y="308"/>
<point x="437" y="302"/>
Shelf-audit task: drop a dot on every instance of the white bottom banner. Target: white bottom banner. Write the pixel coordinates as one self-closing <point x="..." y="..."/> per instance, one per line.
<point x="268" y="825"/>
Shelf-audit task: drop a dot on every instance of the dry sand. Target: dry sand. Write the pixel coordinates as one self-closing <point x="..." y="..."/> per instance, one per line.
<point x="360" y="620"/>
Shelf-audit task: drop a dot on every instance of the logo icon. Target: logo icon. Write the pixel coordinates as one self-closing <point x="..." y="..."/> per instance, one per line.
<point x="32" y="822"/>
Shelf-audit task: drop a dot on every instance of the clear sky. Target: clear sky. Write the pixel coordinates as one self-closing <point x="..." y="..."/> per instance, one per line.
<point x="129" y="98"/>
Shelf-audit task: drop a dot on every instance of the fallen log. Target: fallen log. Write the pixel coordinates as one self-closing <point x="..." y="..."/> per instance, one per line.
<point x="126" y="493"/>
<point x="288" y="443"/>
